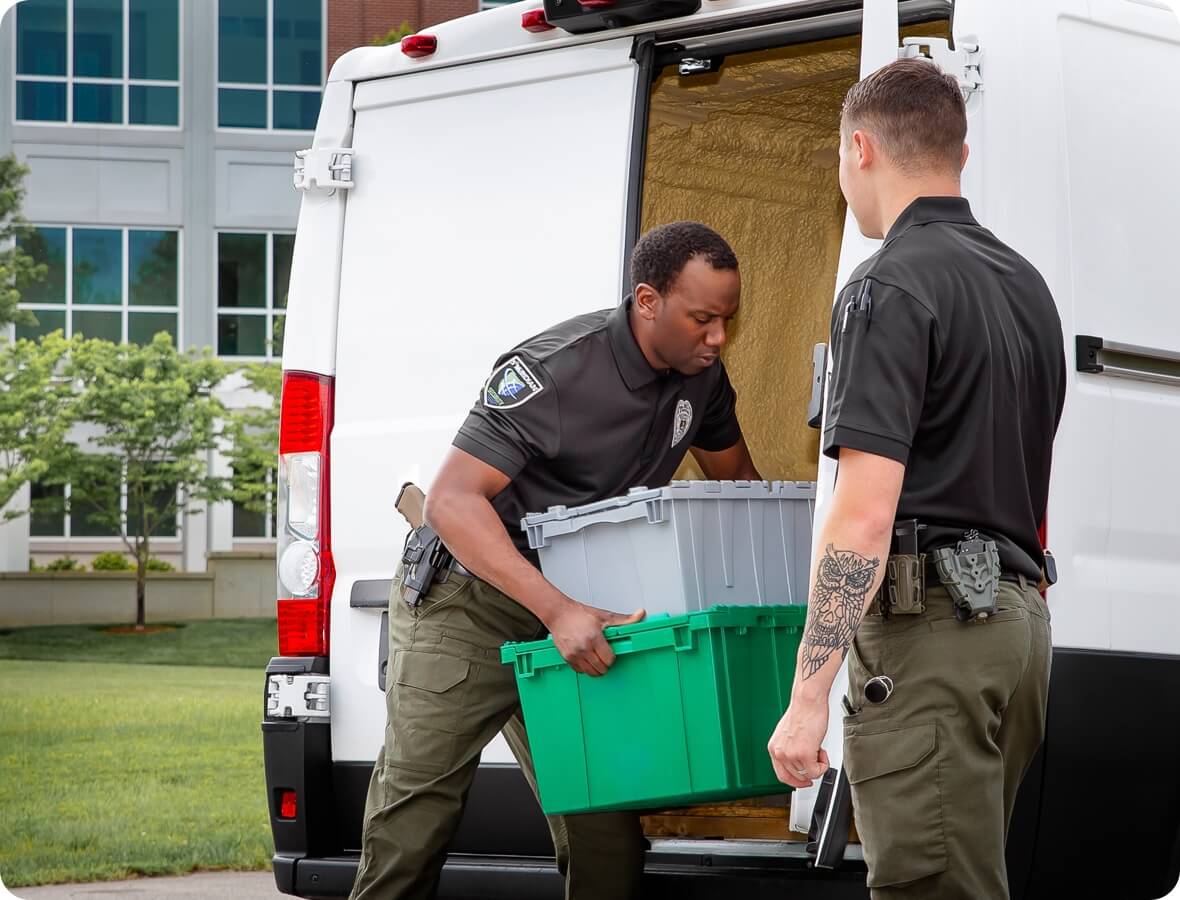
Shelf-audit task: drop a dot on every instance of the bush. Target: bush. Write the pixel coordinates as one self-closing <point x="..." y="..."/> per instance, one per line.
<point x="63" y="564"/>
<point x="33" y="567"/>
<point x="159" y="565"/>
<point x="111" y="562"/>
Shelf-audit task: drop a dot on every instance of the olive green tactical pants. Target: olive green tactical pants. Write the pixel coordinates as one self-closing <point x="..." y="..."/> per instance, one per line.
<point x="447" y="695"/>
<point x="934" y="769"/>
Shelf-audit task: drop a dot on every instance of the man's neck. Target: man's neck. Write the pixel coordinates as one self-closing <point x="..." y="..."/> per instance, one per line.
<point x="649" y="354"/>
<point x="897" y="198"/>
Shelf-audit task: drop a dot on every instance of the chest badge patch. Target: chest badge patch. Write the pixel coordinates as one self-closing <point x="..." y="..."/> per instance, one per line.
<point x="511" y="384"/>
<point x="682" y="422"/>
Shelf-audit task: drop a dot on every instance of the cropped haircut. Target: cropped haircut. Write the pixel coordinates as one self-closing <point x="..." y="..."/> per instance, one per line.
<point x="916" y="112"/>
<point x="662" y="253"/>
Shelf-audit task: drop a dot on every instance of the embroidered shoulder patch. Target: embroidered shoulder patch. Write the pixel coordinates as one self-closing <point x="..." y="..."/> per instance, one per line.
<point x="511" y="384"/>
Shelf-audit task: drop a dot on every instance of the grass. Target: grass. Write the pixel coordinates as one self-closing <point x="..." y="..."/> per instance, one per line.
<point x="110" y="770"/>
<point x="247" y="643"/>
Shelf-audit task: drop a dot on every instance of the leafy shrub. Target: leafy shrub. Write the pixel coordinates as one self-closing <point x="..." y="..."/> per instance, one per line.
<point x="63" y="564"/>
<point x="111" y="562"/>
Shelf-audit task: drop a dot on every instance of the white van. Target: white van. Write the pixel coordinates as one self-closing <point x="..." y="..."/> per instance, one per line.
<point x="488" y="179"/>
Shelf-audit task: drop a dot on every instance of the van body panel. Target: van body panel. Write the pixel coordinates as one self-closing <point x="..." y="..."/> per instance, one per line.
<point x="436" y="287"/>
<point x="314" y="294"/>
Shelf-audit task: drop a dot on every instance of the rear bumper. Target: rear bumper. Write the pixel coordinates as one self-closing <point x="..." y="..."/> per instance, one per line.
<point x="669" y="877"/>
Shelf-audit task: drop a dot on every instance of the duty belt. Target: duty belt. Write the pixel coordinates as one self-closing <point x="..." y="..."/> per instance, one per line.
<point x="970" y="572"/>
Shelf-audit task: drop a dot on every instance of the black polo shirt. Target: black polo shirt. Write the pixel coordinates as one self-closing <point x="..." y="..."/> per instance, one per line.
<point x="947" y="356"/>
<point x="576" y="414"/>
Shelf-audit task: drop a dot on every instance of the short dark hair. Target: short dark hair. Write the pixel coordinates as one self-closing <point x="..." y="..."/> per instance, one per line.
<point x="915" y="110"/>
<point x="663" y="252"/>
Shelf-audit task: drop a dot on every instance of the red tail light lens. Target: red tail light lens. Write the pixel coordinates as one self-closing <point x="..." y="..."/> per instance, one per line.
<point x="534" y="20"/>
<point x="306" y="574"/>
<point x="287" y="805"/>
<point x="419" y="45"/>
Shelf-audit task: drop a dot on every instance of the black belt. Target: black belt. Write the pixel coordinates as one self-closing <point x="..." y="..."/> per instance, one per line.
<point x="932" y="579"/>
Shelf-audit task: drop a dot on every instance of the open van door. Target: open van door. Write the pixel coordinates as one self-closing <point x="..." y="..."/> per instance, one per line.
<point x="880" y="45"/>
<point x="486" y="206"/>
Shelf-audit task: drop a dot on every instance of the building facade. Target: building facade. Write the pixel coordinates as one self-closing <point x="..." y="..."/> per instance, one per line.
<point x="160" y="136"/>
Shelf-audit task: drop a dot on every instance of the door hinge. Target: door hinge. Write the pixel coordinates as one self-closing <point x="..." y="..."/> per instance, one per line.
<point x="298" y="697"/>
<point x="323" y="168"/>
<point x="962" y="63"/>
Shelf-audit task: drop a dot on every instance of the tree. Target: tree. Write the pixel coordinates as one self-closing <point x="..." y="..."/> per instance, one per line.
<point x="255" y="435"/>
<point x="155" y="423"/>
<point x="18" y="269"/>
<point x="394" y="35"/>
<point x="36" y="411"/>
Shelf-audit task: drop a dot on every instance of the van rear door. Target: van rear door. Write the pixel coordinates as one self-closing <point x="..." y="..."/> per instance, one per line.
<point x="489" y="203"/>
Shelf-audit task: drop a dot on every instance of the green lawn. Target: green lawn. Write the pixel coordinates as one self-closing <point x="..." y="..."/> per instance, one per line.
<point x="109" y="770"/>
<point x="245" y="643"/>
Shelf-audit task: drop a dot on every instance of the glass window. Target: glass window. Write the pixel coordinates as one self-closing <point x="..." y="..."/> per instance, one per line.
<point x="105" y="325"/>
<point x="41" y="101"/>
<point x="241" y="41"/>
<point x="98" y="266"/>
<point x="153" y="105"/>
<point x="47" y="514"/>
<point x="98" y="301"/>
<point x="254" y="271"/>
<point x="143" y="327"/>
<point x="158" y="501"/>
<point x="151" y="256"/>
<point x="98" y="103"/>
<point x="298" y="40"/>
<point x="123" y="68"/>
<point x="288" y="98"/>
<point x="47" y="321"/>
<point x="47" y="246"/>
<point x="284" y="245"/>
<point x="241" y="335"/>
<point x="41" y="37"/>
<point x="98" y="38"/>
<point x="153" y="31"/>
<point x="241" y="109"/>
<point x="296" y="110"/>
<point x="241" y="269"/>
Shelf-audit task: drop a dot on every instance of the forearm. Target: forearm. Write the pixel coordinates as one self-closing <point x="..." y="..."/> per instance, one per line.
<point x="848" y="572"/>
<point x="470" y="528"/>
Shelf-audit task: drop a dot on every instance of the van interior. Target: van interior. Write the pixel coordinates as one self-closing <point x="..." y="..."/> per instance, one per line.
<point x="751" y="150"/>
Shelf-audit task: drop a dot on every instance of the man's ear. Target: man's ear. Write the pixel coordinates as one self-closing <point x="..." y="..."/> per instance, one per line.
<point x="966" y="153"/>
<point x="646" y="298"/>
<point x="865" y="149"/>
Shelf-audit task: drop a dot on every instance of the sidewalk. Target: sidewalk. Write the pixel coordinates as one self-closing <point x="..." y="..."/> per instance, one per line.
<point x="201" y="886"/>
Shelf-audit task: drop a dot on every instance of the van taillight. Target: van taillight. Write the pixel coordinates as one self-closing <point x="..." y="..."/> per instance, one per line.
<point x="418" y="45"/>
<point x="304" y="551"/>
<point x="534" y="20"/>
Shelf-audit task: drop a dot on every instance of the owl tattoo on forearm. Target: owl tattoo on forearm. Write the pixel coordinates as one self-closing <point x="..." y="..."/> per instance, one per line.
<point x="842" y="581"/>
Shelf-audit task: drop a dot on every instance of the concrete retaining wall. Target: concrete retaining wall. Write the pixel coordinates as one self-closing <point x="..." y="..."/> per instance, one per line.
<point x="237" y="585"/>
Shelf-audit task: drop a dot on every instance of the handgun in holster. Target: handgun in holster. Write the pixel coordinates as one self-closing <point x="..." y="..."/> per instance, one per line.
<point x="424" y="555"/>
<point x="970" y="572"/>
<point x="423" y="558"/>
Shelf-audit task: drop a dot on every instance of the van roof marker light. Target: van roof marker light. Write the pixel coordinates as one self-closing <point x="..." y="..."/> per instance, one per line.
<point x="534" y="20"/>
<point x="419" y="45"/>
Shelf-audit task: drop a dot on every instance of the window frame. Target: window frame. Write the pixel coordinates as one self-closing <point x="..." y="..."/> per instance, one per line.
<point x="125" y="82"/>
<point x="125" y="307"/>
<point x="269" y="86"/>
<point x="67" y="522"/>
<point x="269" y="523"/>
<point x="270" y="311"/>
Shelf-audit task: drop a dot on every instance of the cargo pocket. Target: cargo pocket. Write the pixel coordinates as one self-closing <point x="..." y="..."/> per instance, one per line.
<point x="897" y="798"/>
<point x="425" y="711"/>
